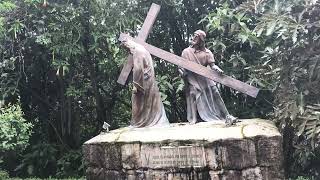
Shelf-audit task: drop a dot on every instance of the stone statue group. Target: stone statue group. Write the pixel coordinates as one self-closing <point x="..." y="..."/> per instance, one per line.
<point x="202" y="96"/>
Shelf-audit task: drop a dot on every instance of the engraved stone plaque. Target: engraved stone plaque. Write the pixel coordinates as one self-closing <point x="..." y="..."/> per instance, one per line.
<point x="173" y="156"/>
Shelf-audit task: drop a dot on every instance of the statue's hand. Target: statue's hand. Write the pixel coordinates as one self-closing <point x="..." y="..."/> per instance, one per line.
<point x="134" y="90"/>
<point x="182" y="72"/>
<point x="216" y="68"/>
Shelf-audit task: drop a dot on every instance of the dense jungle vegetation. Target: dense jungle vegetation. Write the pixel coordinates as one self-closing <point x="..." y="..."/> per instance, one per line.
<point x="59" y="62"/>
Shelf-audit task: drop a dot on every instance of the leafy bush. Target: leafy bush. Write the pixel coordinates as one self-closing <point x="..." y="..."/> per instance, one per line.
<point x="70" y="164"/>
<point x="4" y="175"/>
<point x="14" y="130"/>
<point x="304" y="178"/>
<point x="40" y="161"/>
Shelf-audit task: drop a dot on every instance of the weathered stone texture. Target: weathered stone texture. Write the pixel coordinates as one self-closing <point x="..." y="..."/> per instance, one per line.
<point x="156" y="174"/>
<point x="231" y="175"/>
<point x="92" y="154"/>
<point x="237" y="154"/>
<point x="112" y="156"/>
<point x="269" y="151"/>
<point x="95" y="173"/>
<point x="272" y="173"/>
<point x="252" y="174"/>
<point x="212" y="157"/>
<point x="251" y="156"/>
<point x="131" y="156"/>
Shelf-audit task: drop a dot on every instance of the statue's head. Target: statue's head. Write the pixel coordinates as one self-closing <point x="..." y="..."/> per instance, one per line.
<point x="126" y="41"/>
<point x="198" y="39"/>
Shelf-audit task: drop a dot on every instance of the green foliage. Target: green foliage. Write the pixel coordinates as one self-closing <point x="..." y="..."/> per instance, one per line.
<point x="14" y="130"/>
<point x="237" y="49"/>
<point x="6" y="6"/>
<point x="167" y="86"/>
<point x="304" y="178"/>
<point x="274" y="44"/>
<point x="70" y="164"/>
<point x="62" y="58"/>
<point x="4" y="175"/>
<point x="37" y="162"/>
<point x="298" y="66"/>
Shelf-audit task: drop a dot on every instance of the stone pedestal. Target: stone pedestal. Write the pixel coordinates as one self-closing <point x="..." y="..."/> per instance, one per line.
<point x="249" y="150"/>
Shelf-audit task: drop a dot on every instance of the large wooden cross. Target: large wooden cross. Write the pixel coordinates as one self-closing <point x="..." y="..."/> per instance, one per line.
<point x="184" y="63"/>
<point x="142" y="36"/>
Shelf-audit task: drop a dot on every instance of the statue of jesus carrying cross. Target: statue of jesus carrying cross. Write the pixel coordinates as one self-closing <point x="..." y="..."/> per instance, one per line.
<point x="199" y="70"/>
<point x="202" y="95"/>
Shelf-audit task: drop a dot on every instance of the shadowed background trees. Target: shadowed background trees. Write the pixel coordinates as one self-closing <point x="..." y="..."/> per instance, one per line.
<point x="59" y="62"/>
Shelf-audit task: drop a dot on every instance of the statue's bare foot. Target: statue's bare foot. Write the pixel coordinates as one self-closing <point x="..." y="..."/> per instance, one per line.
<point x="231" y="120"/>
<point x="193" y="122"/>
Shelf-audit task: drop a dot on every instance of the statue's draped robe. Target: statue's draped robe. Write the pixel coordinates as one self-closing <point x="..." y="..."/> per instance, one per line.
<point x="147" y="107"/>
<point x="202" y="95"/>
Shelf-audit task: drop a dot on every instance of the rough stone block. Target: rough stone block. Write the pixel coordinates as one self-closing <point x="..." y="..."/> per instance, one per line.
<point x="93" y="154"/>
<point x="269" y="152"/>
<point x="231" y="175"/>
<point x="95" y="173"/>
<point x="201" y="174"/>
<point x="249" y="150"/>
<point x="237" y="154"/>
<point x="114" y="175"/>
<point x="146" y="152"/>
<point x="156" y="174"/>
<point x="86" y="154"/>
<point x="252" y="174"/>
<point x="272" y="173"/>
<point x="135" y="175"/>
<point x="112" y="156"/>
<point x="214" y="175"/>
<point x="178" y="176"/>
<point x="212" y="156"/>
<point x="225" y="175"/>
<point x="187" y="174"/>
<point x="130" y="154"/>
